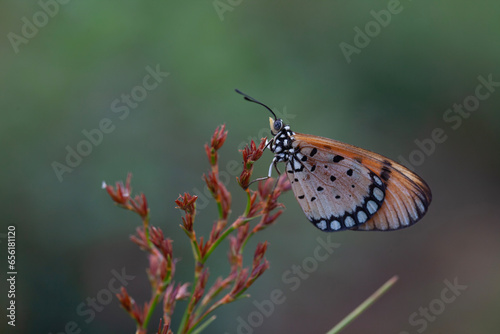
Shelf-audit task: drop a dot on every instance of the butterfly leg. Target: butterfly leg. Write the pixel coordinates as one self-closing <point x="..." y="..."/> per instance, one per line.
<point x="268" y="143"/>
<point x="258" y="179"/>
<point x="273" y="163"/>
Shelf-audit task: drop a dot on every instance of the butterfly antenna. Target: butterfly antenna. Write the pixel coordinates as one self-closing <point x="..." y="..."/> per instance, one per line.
<point x="251" y="99"/>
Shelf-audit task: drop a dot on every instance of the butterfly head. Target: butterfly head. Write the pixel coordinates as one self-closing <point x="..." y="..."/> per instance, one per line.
<point x="283" y="137"/>
<point x="276" y="125"/>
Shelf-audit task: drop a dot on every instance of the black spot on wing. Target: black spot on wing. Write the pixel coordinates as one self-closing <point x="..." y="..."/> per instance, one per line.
<point x="385" y="174"/>
<point x="338" y="158"/>
<point x="313" y="152"/>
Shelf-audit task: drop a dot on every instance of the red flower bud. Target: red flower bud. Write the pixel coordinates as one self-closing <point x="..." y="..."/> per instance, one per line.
<point x="219" y="137"/>
<point x="186" y="203"/>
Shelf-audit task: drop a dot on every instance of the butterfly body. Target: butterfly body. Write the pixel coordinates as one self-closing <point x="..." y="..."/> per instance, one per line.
<point x="344" y="187"/>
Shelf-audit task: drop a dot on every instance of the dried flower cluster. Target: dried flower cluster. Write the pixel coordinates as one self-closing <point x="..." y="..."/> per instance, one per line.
<point x="202" y="300"/>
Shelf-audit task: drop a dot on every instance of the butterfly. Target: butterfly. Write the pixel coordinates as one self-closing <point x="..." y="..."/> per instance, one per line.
<point x="344" y="187"/>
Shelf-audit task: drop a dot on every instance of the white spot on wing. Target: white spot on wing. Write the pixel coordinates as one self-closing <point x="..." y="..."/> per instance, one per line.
<point x="379" y="194"/>
<point x="349" y="221"/>
<point x="362" y="217"/>
<point x="372" y="207"/>
<point x="377" y="180"/>
<point x="321" y="225"/>
<point x="335" y="225"/>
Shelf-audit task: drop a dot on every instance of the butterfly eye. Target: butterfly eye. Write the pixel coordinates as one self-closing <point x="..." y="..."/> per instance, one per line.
<point x="278" y="125"/>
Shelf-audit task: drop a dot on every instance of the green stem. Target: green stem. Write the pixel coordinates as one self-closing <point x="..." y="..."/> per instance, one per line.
<point x="211" y="309"/>
<point x="201" y="308"/>
<point x="145" y="223"/>
<point x="196" y="249"/>
<point x="230" y="228"/>
<point x="245" y="241"/>
<point x="203" y="326"/>
<point x="189" y="306"/>
<point x="200" y="319"/>
<point x="217" y="242"/>
<point x="363" y="306"/>
<point x="158" y="292"/>
<point x="152" y="307"/>
<point x="219" y="206"/>
<point x="249" y="203"/>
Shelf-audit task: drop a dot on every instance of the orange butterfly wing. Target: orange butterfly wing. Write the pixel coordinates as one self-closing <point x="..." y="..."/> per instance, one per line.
<point x="341" y="186"/>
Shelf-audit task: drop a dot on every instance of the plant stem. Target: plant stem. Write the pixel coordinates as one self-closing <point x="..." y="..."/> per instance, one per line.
<point x="157" y="294"/>
<point x="249" y="203"/>
<point x="219" y="207"/>
<point x="145" y="223"/>
<point x="190" y="306"/>
<point x="200" y="319"/>
<point x="151" y="309"/>
<point x="204" y="325"/>
<point x="250" y="234"/>
<point x="217" y="242"/>
<point x="363" y="306"/>
<point x="196" y="249"/>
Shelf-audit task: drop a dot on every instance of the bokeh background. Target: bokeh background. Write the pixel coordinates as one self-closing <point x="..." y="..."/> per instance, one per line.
<point x="65" y="76"/>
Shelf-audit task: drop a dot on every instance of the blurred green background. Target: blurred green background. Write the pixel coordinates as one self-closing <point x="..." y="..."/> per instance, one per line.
<point x="65" y="76"/>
